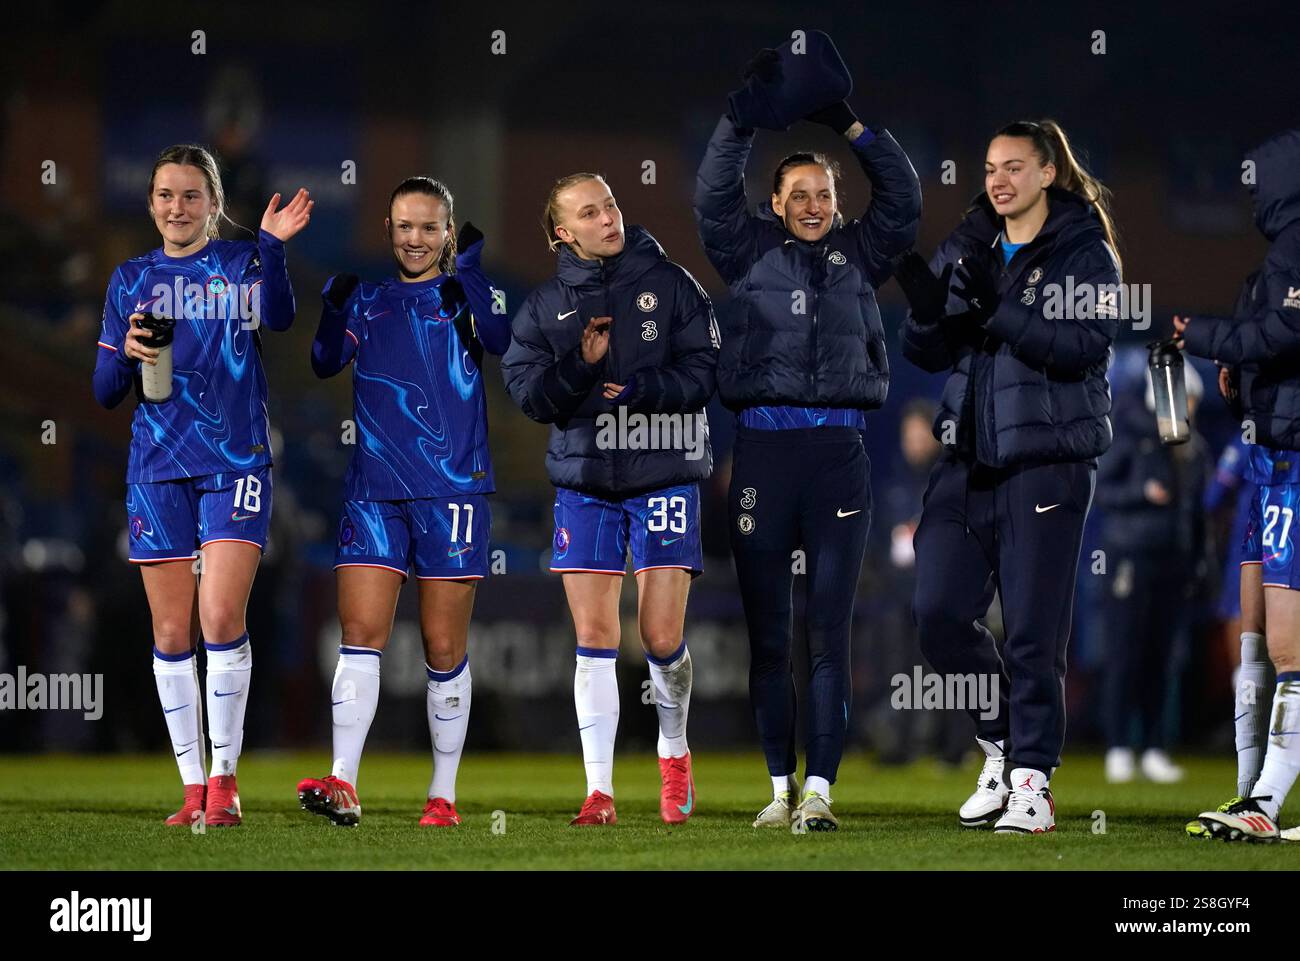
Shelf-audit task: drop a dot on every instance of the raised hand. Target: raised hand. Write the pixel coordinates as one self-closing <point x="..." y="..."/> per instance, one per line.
<point x="296" y="214"/>
<point x="926" y="294"/>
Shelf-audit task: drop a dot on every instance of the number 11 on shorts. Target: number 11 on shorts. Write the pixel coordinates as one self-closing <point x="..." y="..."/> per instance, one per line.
<point x="455" y="522"/>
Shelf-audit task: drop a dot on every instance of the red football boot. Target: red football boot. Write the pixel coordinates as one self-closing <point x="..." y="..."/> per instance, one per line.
<point x="223" y="802"/>
<point x="439" y="813"/>
<point x="597" y="809"/>
<point x="677" y="796"/>
<point x="195" y="795"/>
<point x="331" y="797"/>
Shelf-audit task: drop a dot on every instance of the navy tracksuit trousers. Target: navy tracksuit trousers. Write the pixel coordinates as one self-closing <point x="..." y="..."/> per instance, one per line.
<point x="804" y="488"/>
<point x="1017" y="530"/>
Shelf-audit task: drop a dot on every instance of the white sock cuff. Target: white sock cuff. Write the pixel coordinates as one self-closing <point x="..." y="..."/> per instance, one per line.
<point x="597" y="659"/>
<point x="235" y="656"/>
<point x="172" y="663"/>
<point x="1253" y="647"/>
<point x="672" y="661"/>
<point x="457" y="679"/>
<point x="363" y="659"/>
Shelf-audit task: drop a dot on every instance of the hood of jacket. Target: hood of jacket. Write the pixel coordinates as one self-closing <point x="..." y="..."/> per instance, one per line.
<point x="1276" y="190"/>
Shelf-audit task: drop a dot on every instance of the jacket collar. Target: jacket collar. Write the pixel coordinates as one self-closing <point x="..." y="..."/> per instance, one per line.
<point x="640" y="252"/>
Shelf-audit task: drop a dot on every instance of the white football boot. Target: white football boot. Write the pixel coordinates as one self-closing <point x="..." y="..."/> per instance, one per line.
<point x="780" y="812"/>
<point x="1243" y="821"/>
<point x="1158" y="768"/>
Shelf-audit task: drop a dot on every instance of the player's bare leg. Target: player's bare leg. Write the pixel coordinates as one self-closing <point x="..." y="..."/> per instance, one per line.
<point x="226" y="573"/>
<point x="172" y="591"/>
<point x="661" y="604"/>
<point x="593" y="602"/>
<point x="367" y="600"/>
<point x="1254" y="687"/>
<point x="445" y="609"/>
<point x="1255" y="817"/>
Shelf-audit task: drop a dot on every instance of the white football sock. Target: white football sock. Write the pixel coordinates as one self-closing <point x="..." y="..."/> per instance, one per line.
<point x="230" y="667"/>
<point x="595" y="695"/>
<point x="782" y="785"/>
<point x="817" y="785"/>
<point x="446" y="701"/>
<point x="671" y="678"/>
<point x="1255" y="682"/>
<point x="354" y="696"/>
<point x="177" y="677"/>
<point x="1282" y="760"/>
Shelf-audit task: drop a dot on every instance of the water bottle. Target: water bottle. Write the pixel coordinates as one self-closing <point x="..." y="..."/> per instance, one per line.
<point x="1169" y="388"/>
<point x="156" y="379"/>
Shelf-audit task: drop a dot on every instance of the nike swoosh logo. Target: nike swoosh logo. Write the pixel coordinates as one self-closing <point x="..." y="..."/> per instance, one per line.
<point x="232" y="811"/>
<point x="184" y="752"/>
<point x="592" y="724"/>
<point x="344" y="701"/>
<point x="840" y="512"/>
<point x="1044" y="510"/>
<point x="225" y="693"/>
<point x="569" y="314"/>
<point x="175" y="709"/>
<point x="218" y="747"/>
<point x="673" y="540"/>
<point x="690" y="801"/>
<point x="452" y="718"/>
<point x="236" y="517"/>
<point x="1241" y="715"/>
<point x="451" y="553"/>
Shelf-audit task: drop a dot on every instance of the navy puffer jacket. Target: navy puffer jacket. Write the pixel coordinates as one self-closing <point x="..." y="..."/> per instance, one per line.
<point x="663" y="342"/>
<point x="1029" y="385"/>
<point x="808" y="331"/>
<point x="1262" y="338"/>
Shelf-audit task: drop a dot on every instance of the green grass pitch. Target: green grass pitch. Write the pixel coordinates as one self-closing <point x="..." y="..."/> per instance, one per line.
<point x="62" y="812"/>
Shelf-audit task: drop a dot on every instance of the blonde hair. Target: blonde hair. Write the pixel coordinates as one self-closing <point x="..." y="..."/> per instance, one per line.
<point x="550" y="213"/>
<point x="1053" y="147"/>
<point x="193" y="155"/>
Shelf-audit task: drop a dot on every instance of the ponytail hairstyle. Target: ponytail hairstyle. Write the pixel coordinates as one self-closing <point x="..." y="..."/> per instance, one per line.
<point x="432" y="188"/>
<point x="815" y="158"/>
<point x="551" y="212"/>
<point x="193" y="155"/>
<point x="1053" y="147"/>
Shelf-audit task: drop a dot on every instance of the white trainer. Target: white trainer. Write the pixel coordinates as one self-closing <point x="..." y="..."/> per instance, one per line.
<point x="990" y="798"/>
<point x="1121" y="765"/>
<point x="814" y="814"/>
<point x="1158" y="768"/>
<point x="1031" y="809"/>
<point x="778" y="814"/>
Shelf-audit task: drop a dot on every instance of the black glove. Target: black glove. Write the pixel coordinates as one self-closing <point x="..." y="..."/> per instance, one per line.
<point x="838" y="116"/>
<point x="926" y="294"/>
<point x="467" y="237"/>
<point x="339" y="289"/>
<point x="766" y="66"/>
<point x="977" y="284"/>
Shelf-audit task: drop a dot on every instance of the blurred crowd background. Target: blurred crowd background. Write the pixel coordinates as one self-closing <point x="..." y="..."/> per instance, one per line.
<point x="288" y="94"/>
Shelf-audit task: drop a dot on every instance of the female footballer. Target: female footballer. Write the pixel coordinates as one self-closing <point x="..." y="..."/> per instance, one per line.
<point x="417" y="485"/>
<point x="620" y="333"/>
<point x="803" y="364"/>
<point x="1023" y="419"/>
<point x="199" y="470"/>
<point x="1257" y="346"/>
